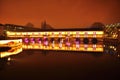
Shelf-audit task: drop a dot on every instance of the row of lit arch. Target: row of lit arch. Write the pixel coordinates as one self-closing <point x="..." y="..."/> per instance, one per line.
<point x="58" y="40"/>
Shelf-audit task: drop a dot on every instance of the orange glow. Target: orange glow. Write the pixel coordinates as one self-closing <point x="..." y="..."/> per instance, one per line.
<point x="59" y="13"/>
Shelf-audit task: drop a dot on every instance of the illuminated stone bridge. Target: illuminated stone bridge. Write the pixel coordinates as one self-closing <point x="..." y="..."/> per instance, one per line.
<point x="61" y="39"/>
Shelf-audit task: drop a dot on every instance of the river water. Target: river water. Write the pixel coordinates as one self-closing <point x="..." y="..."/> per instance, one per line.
<point x="62" y="65"/>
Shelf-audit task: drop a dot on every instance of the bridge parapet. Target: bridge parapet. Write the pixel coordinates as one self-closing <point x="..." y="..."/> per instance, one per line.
<point x="61" y="40"/>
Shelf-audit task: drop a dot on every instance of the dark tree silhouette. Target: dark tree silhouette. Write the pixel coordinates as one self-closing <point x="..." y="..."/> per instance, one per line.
<point x="1" y="29"/>
<point x="29" y="24"/>
<point x="98" y="25"/>
<point x="1" y="24"/>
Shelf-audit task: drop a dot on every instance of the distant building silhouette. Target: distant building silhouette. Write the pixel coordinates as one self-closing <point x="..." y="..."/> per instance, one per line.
<point x="13" y="27"/>
<point x="44" y="26"/>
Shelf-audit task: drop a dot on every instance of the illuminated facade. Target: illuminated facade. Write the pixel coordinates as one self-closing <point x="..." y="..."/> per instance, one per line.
<point x="71" y="40"/>
<point x="112" y="30"/>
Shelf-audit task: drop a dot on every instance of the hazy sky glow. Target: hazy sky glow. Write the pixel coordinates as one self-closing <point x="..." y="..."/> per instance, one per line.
<point x="59" y="13"/>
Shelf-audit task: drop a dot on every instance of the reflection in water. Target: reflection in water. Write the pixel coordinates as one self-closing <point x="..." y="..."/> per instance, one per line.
<point x="5" y="62"/>
<point x="39" y="63"/>
<point x="111" y="49"/>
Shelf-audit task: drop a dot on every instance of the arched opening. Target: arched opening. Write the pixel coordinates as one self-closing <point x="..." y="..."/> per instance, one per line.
<point x="85" y="40"/>
<point x="94" y="41"/>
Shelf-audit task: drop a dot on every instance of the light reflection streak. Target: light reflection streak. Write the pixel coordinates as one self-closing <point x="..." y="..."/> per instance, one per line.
<point x="16" y="47"/>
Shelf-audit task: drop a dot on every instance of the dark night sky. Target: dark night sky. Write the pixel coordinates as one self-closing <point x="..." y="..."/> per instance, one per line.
<point x="59" y="13"/>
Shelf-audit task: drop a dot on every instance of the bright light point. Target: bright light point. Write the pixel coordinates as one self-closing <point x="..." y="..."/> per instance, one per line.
<point x="9" y="59"/>
<point x="118" y="55"/>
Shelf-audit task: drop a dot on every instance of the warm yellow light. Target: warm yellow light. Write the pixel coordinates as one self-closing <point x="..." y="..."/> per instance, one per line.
<point x="42" y="33"/>
<point x="90" y="32"/>
<point x="89" y="49"/>
<point x="36" y="47"/>
<point x="99" y="49"/>
<point x="10" y="33"/>
<point x="36" y="33"/>
<point x="81" y="32"/>
<point x="18" y="33"/>
<point x="63" y="33"/>
<point x="29" y="33"/>
<point x="55" y="33"/>
<point x="7" y="32"/>
<point x="100" y="32"/>
<point x="24" y="33"/>
<point x="73" y="33"/>
<point x="111" y="46"/>
<point x="9" y="59"/>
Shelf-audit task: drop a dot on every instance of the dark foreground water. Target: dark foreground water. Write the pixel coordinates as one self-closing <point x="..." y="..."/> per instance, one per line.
<point x="59" y="65"/>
